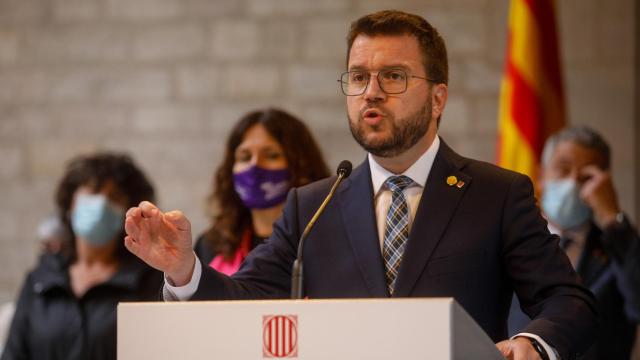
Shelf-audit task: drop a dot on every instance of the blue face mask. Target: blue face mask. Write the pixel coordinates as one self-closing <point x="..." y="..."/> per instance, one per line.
<point x="562" y="204"/>
<point x="96" y="220"/>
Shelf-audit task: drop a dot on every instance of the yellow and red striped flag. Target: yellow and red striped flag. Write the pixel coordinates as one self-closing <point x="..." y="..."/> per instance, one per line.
<point x="531" y="95"/>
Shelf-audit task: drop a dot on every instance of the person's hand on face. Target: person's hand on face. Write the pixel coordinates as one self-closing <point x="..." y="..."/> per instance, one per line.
<point x="592" y="186"/>
<point x="598" y="192"/>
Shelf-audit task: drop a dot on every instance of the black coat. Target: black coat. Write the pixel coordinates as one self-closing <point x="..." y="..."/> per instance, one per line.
<point x="204" y="250"/>
<point x="610" y="267"/>
<point x="612" y="273"/>
<point x="51" y="323"/>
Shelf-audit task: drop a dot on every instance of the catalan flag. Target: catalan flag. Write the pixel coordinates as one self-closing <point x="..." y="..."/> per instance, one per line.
<point x="531" y="95"/>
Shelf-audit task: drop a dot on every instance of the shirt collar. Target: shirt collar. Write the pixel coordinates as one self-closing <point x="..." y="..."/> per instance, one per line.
<point x="577" y="235"/>
<point x="418" y="172"/>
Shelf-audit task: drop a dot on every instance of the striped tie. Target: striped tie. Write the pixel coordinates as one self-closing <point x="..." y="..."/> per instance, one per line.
<point x="397" y="230"/>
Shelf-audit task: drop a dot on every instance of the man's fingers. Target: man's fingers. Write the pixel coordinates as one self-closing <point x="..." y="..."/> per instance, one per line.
<point x="157" y="238"/>
<point x="147" y="205"/>
<point x="134" y="214"/>
<point x="131" y="226"/>
<point x="148" y="209"/>
<point x="178" y="220"/>
<point x="153" y="219"/>
<point x="132" y="245"/>
<point x="592" y="171"/>
<point x="142" y="229"/>
<point x="505" y="349"/>
<point x="134" y="211"/>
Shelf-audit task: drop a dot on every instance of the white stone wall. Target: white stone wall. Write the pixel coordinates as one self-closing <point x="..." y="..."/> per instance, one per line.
<point x="166" y="79"/>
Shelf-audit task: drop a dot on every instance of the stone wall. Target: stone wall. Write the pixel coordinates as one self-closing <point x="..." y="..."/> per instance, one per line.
<point x="166" y="79"/>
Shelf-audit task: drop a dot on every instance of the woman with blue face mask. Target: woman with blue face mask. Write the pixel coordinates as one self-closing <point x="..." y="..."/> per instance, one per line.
<point x="67" y="307"/>
<point x="268" y="152"/>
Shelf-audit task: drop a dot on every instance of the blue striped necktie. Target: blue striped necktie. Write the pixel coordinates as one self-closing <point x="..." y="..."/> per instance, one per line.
<point x="397" y="228"/>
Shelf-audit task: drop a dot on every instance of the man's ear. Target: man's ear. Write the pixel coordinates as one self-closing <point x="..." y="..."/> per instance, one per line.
<point x="439" y="94"/>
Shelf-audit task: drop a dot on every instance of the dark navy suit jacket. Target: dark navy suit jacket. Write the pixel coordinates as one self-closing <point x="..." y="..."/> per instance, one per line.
<point x="610" y="267"/>
<point x="477" y="243"/>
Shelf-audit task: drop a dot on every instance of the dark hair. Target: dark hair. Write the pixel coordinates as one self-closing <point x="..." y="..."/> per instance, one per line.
<point x="393" y="22"/>
<point x="305" y="163"/>
<point x="583" y="136"/>
<point x="95" y="170"/>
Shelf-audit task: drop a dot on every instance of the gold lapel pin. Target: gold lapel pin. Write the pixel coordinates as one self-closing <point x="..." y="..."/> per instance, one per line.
<point x="460" y="184"/>
<point x="452" y="180"/>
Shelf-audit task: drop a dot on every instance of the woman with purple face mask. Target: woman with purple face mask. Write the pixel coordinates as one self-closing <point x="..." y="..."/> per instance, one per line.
<point x="267" y="153"/>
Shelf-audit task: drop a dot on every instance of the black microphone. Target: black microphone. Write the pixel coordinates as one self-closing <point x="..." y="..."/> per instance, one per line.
<point x="344" y="170"/>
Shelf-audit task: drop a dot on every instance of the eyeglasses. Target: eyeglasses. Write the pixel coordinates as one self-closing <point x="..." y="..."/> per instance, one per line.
<point x="391" y="81"/>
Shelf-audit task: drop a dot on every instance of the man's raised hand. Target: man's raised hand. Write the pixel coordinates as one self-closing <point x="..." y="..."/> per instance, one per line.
<point x="162" y="240"/>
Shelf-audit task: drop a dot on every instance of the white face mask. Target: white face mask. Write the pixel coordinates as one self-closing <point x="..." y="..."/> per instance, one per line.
<point x="562" y="204"/>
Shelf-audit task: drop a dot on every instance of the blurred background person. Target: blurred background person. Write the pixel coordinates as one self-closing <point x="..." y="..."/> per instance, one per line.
<point x="52" y="233"/>
<point x="581" y="205"/>
<point x="6" y="314"/>
<point x="67" y="306"/>
<point x="267" y="152"/>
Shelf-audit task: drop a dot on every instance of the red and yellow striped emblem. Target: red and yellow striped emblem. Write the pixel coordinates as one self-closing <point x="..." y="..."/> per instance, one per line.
<point x="280" y="336"/>
<point x="531" y="96"/>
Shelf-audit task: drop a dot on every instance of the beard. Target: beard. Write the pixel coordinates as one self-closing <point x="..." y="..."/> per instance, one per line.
<point x="403" y="134"/>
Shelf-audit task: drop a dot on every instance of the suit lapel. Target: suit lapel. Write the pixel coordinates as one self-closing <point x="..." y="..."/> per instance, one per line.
<point x="355" y="197"/>
<point x="437" y="205"/>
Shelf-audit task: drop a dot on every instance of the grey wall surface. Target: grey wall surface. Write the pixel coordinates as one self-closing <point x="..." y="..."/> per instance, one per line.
<point x="166" y="79"/>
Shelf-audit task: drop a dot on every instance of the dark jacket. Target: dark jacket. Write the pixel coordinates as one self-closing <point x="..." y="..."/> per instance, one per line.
<point x="204" y="249"/>
<point x="610" y="267"/>
<point x="51" y="323"/>
<point x="477" y="242"/>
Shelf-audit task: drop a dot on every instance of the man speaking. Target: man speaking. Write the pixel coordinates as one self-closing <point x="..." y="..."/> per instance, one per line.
<point x="415" y="219"/>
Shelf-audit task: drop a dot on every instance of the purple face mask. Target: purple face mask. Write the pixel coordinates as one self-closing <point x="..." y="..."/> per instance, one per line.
<point x="262" y="188"/>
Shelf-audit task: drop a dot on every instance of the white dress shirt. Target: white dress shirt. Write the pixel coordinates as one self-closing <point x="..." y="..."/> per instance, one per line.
<point x="183" y="293"/>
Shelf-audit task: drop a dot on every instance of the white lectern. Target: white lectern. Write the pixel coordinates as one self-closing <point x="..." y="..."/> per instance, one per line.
<point x="414" y="328"/>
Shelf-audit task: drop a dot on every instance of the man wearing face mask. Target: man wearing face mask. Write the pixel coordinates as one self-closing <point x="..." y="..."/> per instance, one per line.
<point x="581" y="205"/>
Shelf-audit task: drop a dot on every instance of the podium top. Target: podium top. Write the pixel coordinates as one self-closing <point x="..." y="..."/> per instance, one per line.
<point x="408" y="328"/>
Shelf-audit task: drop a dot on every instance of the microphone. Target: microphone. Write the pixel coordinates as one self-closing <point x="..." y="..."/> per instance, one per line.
<point x="344" y="170"/>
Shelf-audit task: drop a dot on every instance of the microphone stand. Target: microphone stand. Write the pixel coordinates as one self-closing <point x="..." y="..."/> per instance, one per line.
<point x="344" y="170"/>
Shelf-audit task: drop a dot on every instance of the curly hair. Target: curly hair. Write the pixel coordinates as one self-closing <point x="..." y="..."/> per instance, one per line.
<point x="95" y="170"/>
<point x="305" y="164"/>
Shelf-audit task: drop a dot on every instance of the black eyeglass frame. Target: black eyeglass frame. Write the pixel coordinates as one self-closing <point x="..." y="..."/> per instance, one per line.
<point x="364" y="89"/>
